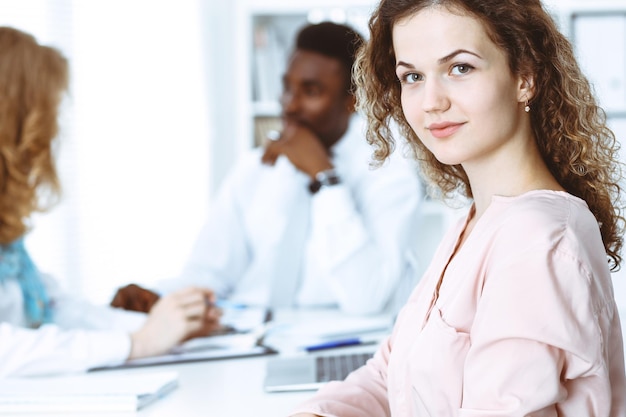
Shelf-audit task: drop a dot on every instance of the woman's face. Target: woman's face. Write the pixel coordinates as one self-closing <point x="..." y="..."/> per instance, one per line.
<point x="458" y="93"/>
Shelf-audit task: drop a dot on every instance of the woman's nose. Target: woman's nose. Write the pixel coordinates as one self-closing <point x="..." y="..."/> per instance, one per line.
<point x="435" y="96"/>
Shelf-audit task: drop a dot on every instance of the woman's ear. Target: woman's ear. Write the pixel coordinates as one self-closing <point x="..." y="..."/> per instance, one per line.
<point x="526" y="88"/>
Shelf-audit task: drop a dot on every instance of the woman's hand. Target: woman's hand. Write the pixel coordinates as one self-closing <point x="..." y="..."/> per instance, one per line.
<point x="174" y="318"/>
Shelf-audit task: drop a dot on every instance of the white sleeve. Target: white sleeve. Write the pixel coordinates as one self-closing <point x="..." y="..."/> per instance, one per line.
<point x="71" y="312"/>
<point x="50" y="350"/>
<point x="364" y="235"/>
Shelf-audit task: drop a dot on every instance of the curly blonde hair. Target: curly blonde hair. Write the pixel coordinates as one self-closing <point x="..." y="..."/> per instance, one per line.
<point x="571" y="130"/>
<point x="33" y="79"/>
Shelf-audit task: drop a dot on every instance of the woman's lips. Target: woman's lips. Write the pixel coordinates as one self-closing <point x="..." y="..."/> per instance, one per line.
<point x="444" y="130"/>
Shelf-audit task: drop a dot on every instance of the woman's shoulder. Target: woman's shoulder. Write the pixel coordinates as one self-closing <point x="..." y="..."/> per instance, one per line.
<point x="544" y="210"/>
<point x="547" y="220"/>
<point x="554" y="234"/>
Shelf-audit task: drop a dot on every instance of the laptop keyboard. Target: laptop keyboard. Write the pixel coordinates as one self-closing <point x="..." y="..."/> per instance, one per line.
<point x="337" y="368"/>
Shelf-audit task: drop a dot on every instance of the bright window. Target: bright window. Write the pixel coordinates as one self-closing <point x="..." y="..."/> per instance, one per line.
<point x="134" y="146"/>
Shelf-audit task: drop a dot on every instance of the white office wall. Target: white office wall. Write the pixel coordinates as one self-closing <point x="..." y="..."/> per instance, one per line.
<point x="223" y="85"/>
<point x="134" y="148"/>
<point x="600" y="40"/>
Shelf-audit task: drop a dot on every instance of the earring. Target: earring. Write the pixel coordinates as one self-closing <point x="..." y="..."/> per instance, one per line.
<point x="527" y="107"/>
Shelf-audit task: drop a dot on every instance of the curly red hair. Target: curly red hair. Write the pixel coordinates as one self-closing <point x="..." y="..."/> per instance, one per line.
<point x="33" y="79"/>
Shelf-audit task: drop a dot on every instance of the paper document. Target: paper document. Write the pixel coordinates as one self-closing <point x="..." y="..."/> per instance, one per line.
<point x="243" y="319"/>
<point x="299" y="330"/>
<point x="84" y="393"/>
<point x="202" y="349"/>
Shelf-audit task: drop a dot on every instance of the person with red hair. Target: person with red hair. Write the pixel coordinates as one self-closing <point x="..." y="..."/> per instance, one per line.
<point x="42" y="330"/>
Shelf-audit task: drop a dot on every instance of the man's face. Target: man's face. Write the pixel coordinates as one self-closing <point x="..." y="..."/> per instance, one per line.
<point x="315" y="95"/>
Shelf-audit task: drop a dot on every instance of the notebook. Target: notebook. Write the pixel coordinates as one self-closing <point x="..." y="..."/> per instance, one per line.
<point x="84" y="393"/>
<point x="304" y="373"/>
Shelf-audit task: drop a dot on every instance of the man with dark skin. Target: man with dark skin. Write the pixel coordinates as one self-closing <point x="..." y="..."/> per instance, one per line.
<point x="317" y="105"/>
<point x="349" y="245"/>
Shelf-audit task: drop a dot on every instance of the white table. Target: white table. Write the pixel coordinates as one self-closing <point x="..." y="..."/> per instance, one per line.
<point x="223" y="388"/>
<point x="231" y="387"/>
<point x="234" y="387"/>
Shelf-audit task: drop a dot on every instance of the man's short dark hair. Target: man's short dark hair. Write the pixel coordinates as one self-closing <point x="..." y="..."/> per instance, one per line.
<point x="333" y="40"/>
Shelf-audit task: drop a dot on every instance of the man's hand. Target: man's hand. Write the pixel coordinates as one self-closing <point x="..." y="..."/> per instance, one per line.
<point x="135" y="298"/>
<point x="302" y="147"/>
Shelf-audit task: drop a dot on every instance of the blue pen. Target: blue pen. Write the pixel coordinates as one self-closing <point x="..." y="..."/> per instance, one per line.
<point x="351" y="341"/>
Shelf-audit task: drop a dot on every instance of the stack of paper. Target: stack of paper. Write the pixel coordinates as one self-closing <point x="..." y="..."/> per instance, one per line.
<point x="303" y="330"/>
<point x="84" y="393"/>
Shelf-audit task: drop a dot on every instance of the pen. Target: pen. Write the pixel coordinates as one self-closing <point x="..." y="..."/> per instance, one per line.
<point x="352" y="341"/>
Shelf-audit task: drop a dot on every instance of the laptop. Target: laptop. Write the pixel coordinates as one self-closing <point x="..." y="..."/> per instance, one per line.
<point x="308" y="373"/>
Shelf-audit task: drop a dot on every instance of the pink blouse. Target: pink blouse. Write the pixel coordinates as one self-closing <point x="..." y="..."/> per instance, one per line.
<point x="524" y="324"/>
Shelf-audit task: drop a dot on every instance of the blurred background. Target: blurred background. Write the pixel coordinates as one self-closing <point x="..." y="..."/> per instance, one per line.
<point x="166" y="93"/>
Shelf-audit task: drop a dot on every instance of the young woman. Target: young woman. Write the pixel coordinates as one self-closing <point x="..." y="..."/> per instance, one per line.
<point x="43" y="331"/>
<point x="515" y="315"/>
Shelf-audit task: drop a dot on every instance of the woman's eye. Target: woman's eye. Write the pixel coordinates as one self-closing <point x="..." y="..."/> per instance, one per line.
<point x="411" y="78"/>
<point x="460" y="69"/>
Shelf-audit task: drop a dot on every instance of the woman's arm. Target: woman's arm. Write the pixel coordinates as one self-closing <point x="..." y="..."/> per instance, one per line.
<point x="362" y="394"/>
<point x="53" y="350"/>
